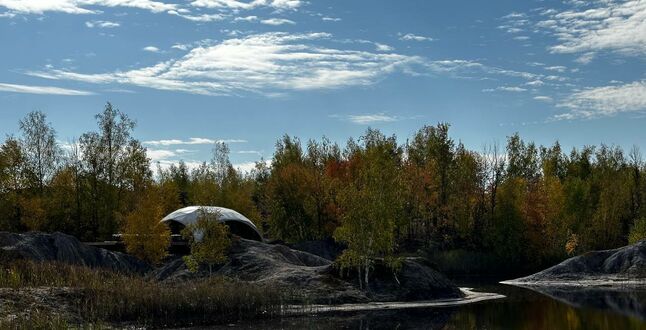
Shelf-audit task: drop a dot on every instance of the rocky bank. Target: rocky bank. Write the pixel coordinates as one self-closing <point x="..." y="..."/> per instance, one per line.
<point x="306" y="276"/>
<point x="622" y="266"/>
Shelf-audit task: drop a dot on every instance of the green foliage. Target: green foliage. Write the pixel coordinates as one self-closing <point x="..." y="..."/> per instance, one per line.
<point x="523" y="203"/>
<point x="299" y="194"/>
<point x="40" y="147"/>
<point x="638" y="231"/>
<point x="508" y="226"/>
<point x="371" y="203"/>
<point x="143" y="234"/>
<point x="209" y="240"/>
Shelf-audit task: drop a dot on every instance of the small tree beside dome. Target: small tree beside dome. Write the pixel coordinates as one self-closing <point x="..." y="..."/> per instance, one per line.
<point x="208" y="239"/>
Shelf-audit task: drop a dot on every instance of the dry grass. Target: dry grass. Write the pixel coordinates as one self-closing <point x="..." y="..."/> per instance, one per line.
<point x="103" y="296"/>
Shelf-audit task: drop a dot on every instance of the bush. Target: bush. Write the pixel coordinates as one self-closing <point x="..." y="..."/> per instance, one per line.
<point x="144" y="236"/>
<point x="209" y="241"/>
<point x="638" y="231"/>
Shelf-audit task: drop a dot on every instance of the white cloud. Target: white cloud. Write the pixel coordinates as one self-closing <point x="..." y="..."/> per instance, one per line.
<point x="367" y="118"/>
<point x="187" y="46"/>
<point x="514" y="89"/>
<point x="157" y="155"/>
<point x="383" y="47"/>
<point x="557" y="68"/>
<point x="605" y="101"/>
<point x="475" y="70"/>
<point x="521" y="38"/>
<point x="246" y="5"/>
<point x="330" y="19"/>
<point x="249" y="152"/>
<point x="248" y="167"/>
<point x="198" y="18"/>
<point x="246" y="19"/>
<point x="80" y="6"/>
<point x="180" y="46"/>
<point x="599" y="25"/>
<point x="151" y="49"/>
<point x="47" y="90"/>
<point x="543" y="98"/>
<point x="585" y="58"/>
<point x="514" y="15"/>
<point x="414" y="37"/>
<point x="277" y="21"/>
<point x="190" y="141"/>
<point x="165" y="164"/>
<point x="262" y="63"/>
<point x="512" y="29"/>
<point x="101" y="24"/>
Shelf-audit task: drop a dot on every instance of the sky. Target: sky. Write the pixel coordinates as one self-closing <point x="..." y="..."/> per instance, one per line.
<point x="247" y="72"/>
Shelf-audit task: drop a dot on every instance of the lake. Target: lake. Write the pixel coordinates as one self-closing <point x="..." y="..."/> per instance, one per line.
<point x="573" y="308"/>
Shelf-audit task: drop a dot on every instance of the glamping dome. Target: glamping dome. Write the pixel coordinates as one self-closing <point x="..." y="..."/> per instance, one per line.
<point x="238" y="223"/>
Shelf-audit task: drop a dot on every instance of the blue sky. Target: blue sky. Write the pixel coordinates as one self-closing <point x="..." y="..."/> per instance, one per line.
<point x="249" y="71"/>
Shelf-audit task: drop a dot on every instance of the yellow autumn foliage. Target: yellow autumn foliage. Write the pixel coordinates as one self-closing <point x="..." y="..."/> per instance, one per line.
<point x="144" y="236"/>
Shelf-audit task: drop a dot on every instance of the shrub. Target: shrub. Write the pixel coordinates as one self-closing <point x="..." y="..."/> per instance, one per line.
<point x="638" y="231"/>
<point x="209" y="241"/>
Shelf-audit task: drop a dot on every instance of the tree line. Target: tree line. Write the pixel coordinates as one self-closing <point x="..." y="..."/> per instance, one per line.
<point x="522" y="203"/>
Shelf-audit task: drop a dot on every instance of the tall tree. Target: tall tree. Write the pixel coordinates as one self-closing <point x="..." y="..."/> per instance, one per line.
<point x="220" y="161"/>
<point x="90" y="149"/>
<point x="12" y="183"/>
<point x="143" y="234"/>
<point x="41" y="150"/>
<point x="371" y="203"/>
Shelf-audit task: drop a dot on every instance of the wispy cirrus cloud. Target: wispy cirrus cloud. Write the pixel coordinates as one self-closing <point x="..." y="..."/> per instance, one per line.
<point x="477" y="70"/>
<point x="203" y="18"/>
<point x="250" y="18"/>
<point x="151" y="49"/>
<point x="81" y="6"/>
<point x="557" y="68"/>
<point x="544" y="98"/>
<point x="514" y="89"/>
<point x="247" y="5"/>
<point x="278" y="62"/>
<point x="249" y="152"/>
<point x="45" y="90"/>
<point x="159" y="154"/>
<point x="260" y="63"/>
<point x="191" y="141"/>
<point x="277" y="21"/>
<point x="590" y="27"/>
<point x="413" y="37"/>
<point x="365" y="119"/>
<point x="102" y="24"/>
<point x="605" y="101"/>
<point x="383" y="47"/>
<point x="192" y="11"/>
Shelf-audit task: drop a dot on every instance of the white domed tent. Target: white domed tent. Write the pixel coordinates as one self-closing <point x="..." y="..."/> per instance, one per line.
<point x="238" y="223"/>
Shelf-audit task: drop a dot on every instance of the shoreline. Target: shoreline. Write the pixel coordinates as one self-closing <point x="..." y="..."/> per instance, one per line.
<point x="606" y="282"/>
<point x="470" y="297"/>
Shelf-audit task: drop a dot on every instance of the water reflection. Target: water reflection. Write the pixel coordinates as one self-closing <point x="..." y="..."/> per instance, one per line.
<point x="522" y="309"/>
<point x="628" y="301"/>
